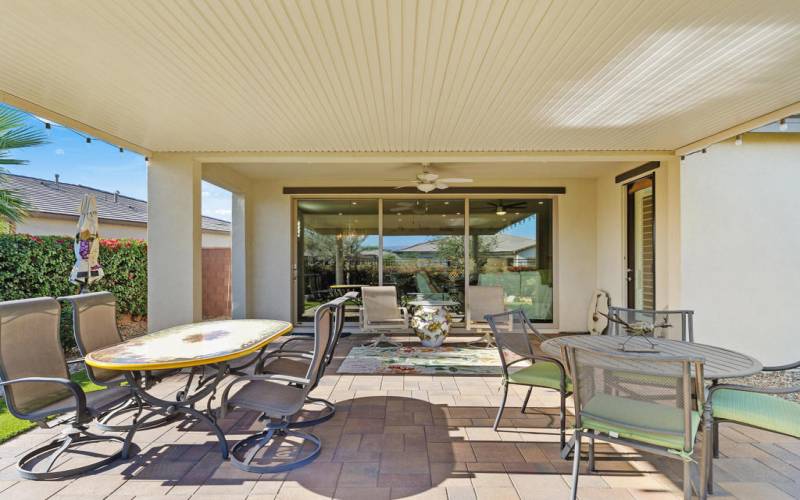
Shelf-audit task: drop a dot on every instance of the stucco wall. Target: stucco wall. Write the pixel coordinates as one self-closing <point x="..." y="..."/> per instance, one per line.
<point x="741" y="243"/>
<point x="269" y="287"/>
<point x="45" y="226"/>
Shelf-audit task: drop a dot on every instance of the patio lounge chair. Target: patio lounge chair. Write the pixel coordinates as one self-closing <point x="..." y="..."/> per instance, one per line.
<point x="36" y="386"/>
<point x="667" y="324"/>
<point x="279" y="397"/>
<point x="544" y="371"/>
<point x="756" y="407"/>
<point x="381" y="313"/>
<point x="666" y="426"/>
<point x="486" y="301"/>
<point x="295" y="362"/>
<point x="94" y="323"/>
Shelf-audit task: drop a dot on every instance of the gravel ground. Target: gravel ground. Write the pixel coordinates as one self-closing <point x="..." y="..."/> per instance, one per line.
<point x="789" y="378"/>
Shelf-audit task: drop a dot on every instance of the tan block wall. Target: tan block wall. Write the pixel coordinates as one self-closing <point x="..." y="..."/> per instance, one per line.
<point x="216" y="282"/>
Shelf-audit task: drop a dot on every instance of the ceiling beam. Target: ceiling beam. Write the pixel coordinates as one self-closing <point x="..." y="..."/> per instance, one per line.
<point x="445" y="157"/>
<point x="747" y="126"/>
<point x="68" y="122"/>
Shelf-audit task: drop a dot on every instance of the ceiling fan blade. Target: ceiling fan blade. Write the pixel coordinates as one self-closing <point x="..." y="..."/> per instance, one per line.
<point x="401" y="186"/>
<point x="456" y="180"/>
<point x="441" y="185"/>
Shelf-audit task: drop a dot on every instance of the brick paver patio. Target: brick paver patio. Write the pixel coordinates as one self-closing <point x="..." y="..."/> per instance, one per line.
<point x="412" y="437"/>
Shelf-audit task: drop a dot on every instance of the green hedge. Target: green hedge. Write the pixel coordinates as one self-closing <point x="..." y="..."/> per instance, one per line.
<point x="37" y="266"/>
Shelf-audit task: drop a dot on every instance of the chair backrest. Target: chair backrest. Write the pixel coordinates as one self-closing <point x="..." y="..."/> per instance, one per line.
<point x="672" y="325"/>
<point x="30" y="347"/>
<point x="641" y="392"/>
<point x="323" y="332"/>
<point x="485" y="300"/>
<point x="513" y="333"/>
<point x="94" y="321"/>
<point x="380" y="302"/>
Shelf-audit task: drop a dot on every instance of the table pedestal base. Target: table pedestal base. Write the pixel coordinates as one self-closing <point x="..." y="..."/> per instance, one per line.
<point x="183" y="405"/>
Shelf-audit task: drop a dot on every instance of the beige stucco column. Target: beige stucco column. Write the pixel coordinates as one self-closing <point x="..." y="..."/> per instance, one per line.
<point x="174" y="284"/>
<point x="239" y="255"/>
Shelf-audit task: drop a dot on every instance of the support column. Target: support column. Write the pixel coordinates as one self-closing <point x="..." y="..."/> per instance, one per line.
<point x="174" y="283"/>
<point x="239" y="253"/>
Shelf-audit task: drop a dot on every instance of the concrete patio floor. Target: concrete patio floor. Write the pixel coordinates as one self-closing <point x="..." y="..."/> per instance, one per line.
<point x="412" y="437"/>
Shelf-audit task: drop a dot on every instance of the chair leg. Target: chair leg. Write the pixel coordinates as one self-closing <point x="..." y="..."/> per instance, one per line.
<point x="576" y="465"/>
<point x="708" y="455"/>
<point x="563" y="418"/>
<point x="502" y="407"/>
<point x="527" y="398"/>
<point x="687" y="480"/>
<point x="591" y="453"/>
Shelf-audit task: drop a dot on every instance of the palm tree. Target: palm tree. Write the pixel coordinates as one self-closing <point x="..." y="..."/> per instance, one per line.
<point x="14" y="134"/>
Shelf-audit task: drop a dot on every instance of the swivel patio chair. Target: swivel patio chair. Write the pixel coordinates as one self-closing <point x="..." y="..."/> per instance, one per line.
<point x="666" y="425"/>
<point x="279" y="397"/>
<point x="675" y="324"/>
<point x="295" y="362"/>
<point x="757" y="407"/>
<point x="483" y="301"/>
<point x="36" y="385"/>
<point x="94" y="323"/>
<point x="307" y="343"/>
<point x="380" y="313"/>
<point x="543" y="371"/>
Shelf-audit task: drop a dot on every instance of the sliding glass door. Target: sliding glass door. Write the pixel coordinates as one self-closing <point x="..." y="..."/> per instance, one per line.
<point x="421" y="246"/>
<point x="511" y="245"/>
<point x="423" y="249"/>
<point x="337" y="247"/>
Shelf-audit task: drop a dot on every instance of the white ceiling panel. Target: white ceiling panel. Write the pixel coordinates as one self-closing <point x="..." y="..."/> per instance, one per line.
<point x="404" y="76"/>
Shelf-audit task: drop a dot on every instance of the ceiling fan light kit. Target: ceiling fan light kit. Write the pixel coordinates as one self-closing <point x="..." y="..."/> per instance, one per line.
<point x="427" y="181"/>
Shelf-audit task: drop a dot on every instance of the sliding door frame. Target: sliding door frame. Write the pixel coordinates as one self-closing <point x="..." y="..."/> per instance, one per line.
<point x="444" y="195"/>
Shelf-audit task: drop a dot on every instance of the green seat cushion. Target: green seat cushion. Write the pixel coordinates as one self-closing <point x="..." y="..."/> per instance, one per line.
<point x="540" y="374"/>
<point x="759" y="410"/>
<point x="622" y="416"/>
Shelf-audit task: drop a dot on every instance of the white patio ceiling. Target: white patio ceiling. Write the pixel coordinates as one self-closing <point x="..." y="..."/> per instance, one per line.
<point x="403" y="76"/>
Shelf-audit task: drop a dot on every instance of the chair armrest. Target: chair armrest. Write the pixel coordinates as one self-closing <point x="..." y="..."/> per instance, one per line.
<point x="74" y="361"/>
<point x="404" y="312"/>
<point x="750" y="388"/>
<point x="362" y="317"/>
<point x="781" y="368"/>
<point x="77" y="392"/>
<point x="289" y="355"/>
<point x="294" y="339"/>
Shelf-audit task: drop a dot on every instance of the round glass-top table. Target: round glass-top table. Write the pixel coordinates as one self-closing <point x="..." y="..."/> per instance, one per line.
<point x="719" y="362"/>
<point x="431" y="320"/>
<point x="199" y="346"/>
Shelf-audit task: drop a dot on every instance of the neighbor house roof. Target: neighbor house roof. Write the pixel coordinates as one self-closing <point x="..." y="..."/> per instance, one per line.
<point x="506" y="243"/>
<point x="64" y="199"/>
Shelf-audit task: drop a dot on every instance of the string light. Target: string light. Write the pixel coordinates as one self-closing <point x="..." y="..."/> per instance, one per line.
<point x="738" y="141"/>
<point x="783" y="125"/>
<point x="48" y="125"/>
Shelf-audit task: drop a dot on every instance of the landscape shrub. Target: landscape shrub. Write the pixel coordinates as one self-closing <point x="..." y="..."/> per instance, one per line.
<point x="38" y="266"/>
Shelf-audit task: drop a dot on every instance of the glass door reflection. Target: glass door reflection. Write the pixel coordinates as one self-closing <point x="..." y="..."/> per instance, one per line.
<point x="423" y="250"/>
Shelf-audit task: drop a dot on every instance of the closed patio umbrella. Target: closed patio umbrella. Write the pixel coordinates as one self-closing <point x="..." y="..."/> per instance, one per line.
<point x="87" y="267"/>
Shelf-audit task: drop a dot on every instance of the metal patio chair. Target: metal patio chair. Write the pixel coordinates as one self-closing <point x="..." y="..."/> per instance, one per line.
<point x="657" y="419"/>
<point x="36" y="385"/>
<point x="94" y="323"/>
<point x="757" y="407"/>
<point x="484" y="301"/>
<point x="279" y="397"/>
<point x="381" y="313"/>
<point x="544" y="371"/>
<point x="295" y="362"/>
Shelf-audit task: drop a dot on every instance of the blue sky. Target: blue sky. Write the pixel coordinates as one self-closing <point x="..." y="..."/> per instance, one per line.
<point x="101" y="166"/>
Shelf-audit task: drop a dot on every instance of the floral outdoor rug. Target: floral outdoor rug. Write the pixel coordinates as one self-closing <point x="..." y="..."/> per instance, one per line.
<point x="421" y="361"/>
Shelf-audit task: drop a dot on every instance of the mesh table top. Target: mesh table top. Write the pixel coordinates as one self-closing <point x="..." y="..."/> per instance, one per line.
<point x="719" y="362"/>
<point x="194" y="344"/>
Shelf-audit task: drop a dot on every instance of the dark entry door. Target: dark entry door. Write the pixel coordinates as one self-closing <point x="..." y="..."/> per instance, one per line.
<point x="641" y="257"/>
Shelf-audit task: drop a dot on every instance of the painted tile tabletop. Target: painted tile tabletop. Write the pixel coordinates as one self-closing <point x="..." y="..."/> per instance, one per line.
<point x="190" y="345"/>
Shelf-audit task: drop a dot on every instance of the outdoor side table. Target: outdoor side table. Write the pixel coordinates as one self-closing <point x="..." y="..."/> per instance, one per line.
<point x="719" y="362"/>
<point x="196" y="346"/>
<point x="431" y="320"/>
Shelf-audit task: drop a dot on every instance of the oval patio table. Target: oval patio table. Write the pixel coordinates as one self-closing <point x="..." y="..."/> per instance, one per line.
<point x="196" y="346"/>
<point x="719" y="362"/>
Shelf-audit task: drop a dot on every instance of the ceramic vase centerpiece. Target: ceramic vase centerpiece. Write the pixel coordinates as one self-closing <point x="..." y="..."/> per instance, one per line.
<point x="432" y="324"/>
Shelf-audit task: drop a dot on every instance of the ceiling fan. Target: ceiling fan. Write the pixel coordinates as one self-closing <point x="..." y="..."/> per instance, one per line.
<point x="427" y="181"/>
<point x="501" y="208"/>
